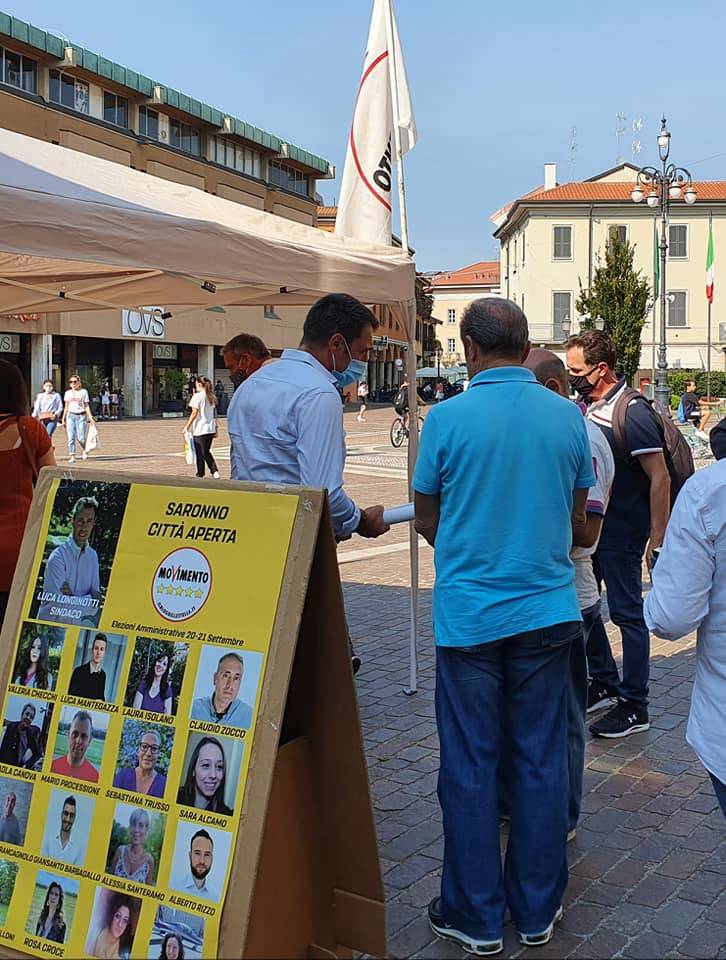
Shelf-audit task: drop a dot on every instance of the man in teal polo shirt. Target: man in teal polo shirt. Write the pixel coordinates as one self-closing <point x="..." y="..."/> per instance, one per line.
<point x="502" y="477"/>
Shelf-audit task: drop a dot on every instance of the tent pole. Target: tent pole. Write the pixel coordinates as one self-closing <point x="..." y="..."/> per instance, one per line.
<point x="410" y="308"/>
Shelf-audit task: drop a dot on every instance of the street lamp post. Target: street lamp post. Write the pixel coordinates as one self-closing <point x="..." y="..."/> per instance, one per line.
<point x="659" y="187"/>
<point x="439" y="351"/>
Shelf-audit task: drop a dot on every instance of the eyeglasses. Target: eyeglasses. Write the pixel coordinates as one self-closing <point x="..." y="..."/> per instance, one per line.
<point x="121" y="918"/>
<point x="148" y="748"/>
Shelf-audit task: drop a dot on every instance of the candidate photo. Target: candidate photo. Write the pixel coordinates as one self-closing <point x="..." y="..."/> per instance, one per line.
<point x="79" y="744"/>
<point x="225" y="691"/>
<point x="8" y="876"/>
<point x="134" y="849"/>
<point x="53" y="907"/>
<point x="211" y="773"/>
<point x="200" y="861"/>
<point x="83" y="531"/>
<point x="26" y="726"/>
<point x="156" y="675"/>
<point x="15" y="797"/>
<point x="144" y="757"/>
<point x="67" y="827"/>
<point x="38" y="658"/>
<point x="112" y="927"/>
<point x="97" y="665"/>
<point x="176" y="935"/>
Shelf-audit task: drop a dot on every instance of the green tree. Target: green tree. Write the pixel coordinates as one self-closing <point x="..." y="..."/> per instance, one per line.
<point x="619" y="294"/>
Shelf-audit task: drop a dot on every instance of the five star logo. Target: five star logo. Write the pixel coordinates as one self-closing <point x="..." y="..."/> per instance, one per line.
<point x="182" y="584"/>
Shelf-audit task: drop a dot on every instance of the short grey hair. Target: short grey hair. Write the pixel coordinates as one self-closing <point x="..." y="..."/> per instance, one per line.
<point x="230" y="656"/>
<point x="497" y="326"/>
<point x="141" y="817"/>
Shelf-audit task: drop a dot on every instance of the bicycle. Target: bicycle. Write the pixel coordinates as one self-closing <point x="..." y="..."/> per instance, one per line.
<point x="400" y="429"/>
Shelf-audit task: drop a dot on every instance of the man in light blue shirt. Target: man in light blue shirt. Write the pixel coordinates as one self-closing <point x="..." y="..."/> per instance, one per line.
<point x="503" y="474"/>
<point x="71" y="584"/>
<point x="223" y="705"/>
<point x="286" y="422"/>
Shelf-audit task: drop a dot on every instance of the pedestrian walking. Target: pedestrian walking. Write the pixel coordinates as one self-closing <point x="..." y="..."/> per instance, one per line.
<point x="114" y="398"/>
<point x="689" y="593"/>
<point x="362" y="397"/>
<point x="551" y="373"/>
<point x="202" y="425"/>
<point x="499" y="516"/>
<point x="48" y="407"/>
<point x="634" y="526"/>
<point x="439" y="392"/>
<point x="25" y="447"/>
<point x="76" y="417"/>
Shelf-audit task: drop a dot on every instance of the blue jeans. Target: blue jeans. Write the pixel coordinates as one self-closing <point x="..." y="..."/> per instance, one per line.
<point x="76" y="430"/>
<point x="623" y="575"/>
<point x="577" y="714"/>
<point x="50" y="426"/>
<point x="720" y="791"/>
<point x="576" y="726"/>
<point x="512" y="691"/>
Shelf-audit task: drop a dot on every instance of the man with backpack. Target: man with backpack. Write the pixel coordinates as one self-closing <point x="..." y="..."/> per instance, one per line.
<point x="634" y="525"/>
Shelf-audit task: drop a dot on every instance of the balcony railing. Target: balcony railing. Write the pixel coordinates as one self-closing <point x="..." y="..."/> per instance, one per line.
<point x="547" y="333"/>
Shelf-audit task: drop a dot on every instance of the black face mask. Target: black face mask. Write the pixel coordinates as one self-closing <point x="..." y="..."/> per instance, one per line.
<point x="581" y="384"/>
<point x="238" y="378"/>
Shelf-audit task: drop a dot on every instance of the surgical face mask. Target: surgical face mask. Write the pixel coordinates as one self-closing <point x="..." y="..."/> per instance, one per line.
<point x="238" y="378"/>
<point x="356" y="370"/>
<point x="581" y="384"/>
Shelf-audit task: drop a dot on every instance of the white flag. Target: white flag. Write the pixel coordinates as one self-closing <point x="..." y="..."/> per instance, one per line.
<point x="364" y="208"/>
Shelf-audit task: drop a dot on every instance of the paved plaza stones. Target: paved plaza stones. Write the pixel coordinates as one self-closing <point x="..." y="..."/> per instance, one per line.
<point x="648" y="866"/>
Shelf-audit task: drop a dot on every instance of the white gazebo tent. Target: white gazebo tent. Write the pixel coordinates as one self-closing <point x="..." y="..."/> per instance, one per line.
<point x="79" y="233"/>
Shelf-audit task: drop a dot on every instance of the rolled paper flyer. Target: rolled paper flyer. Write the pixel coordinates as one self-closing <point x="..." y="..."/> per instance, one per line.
<point x="402" y="514"/>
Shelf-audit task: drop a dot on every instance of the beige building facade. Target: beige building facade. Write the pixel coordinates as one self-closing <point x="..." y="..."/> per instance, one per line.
<point x="554" y="238"/>
<point x="453" y="292"/>
<point x="62" y="93"/>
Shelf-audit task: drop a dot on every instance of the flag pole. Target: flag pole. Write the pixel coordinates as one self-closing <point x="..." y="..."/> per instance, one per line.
<point x="708" y="333"/>
<point x="410" y="354"/>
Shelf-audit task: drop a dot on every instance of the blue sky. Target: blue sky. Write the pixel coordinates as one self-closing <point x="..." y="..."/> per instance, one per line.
<point x="497" y="88"/>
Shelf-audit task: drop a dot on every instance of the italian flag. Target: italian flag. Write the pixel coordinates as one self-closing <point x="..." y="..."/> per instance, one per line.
<point x="710" y="272"/>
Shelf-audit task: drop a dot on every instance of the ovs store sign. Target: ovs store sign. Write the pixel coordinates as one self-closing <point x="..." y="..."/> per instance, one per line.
<point x="145" y="324"/>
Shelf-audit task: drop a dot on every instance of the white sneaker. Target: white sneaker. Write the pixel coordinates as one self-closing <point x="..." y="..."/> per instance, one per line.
<point x="85" y="456"/>
<point x="540" y="939"/>
<point x="71" y="459"/>
<point x="216" y="474"/>
<point x="702" y="435"/>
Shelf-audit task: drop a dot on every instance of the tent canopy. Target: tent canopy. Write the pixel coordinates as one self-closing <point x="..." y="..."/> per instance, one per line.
<point x="78" y="232"/>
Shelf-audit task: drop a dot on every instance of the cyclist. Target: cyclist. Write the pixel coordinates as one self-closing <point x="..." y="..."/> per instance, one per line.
<point x="400" y="403"/>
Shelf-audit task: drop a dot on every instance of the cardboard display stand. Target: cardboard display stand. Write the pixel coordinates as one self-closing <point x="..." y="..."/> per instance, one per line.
<point x="302" y="873"/>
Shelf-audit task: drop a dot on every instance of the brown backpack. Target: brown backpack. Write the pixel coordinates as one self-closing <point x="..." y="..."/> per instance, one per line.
<point x="678" y="456"/>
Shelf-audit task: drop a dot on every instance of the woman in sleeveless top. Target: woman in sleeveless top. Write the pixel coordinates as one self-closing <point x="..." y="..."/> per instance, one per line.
<point x="132" y="861"/>
<point x="25" y="447"/>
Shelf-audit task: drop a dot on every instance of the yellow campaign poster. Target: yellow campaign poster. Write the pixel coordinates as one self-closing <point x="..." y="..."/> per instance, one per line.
<point x="129" y="718"/>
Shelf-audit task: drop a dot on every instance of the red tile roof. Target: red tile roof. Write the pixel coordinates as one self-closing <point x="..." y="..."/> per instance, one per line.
<point x="613" y="191"/>
<point x="327" y="211"/>
<point x="484" y="272"/>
